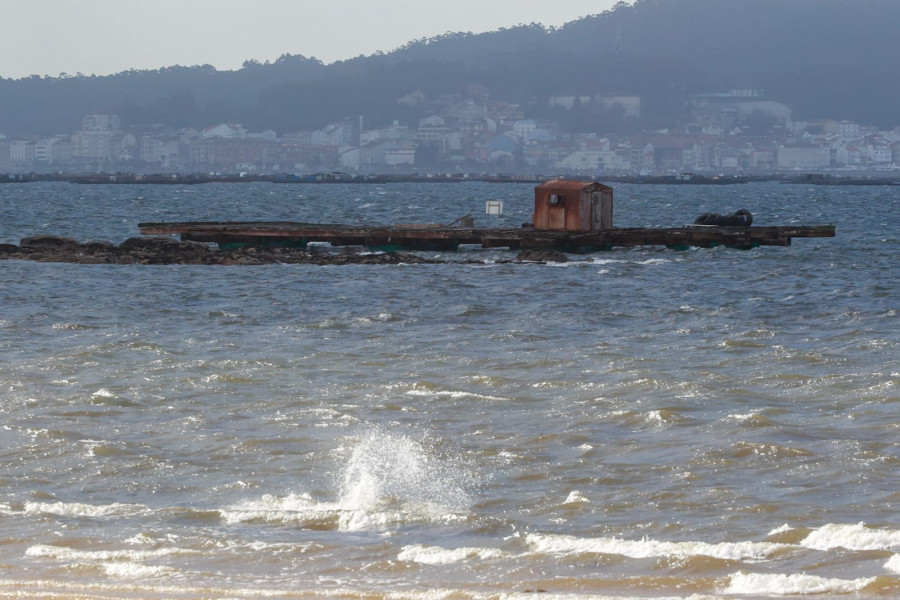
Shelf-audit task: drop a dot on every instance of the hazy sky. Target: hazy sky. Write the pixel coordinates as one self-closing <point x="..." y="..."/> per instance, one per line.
<point x="49" y="37"/>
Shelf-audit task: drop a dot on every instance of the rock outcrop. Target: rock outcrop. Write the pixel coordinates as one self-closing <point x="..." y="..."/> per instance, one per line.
<point x="165" y="250"/>
<point x="169" y="251"/>
<point x="543" y="256"/>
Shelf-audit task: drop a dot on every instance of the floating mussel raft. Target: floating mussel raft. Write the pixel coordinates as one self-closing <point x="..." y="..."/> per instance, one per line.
<point x="571" y="216"/>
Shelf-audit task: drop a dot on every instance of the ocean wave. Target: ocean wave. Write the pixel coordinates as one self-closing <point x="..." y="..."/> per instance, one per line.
<point x="129" y="570"/>
<point x="71" y="555"/>
<point x="893" y="564"/>
<point x="326" y="516"/>
<point x="71" y="326"/>
<point x="768" y="450"/>
<point x="294" y="509"/>
<point x="435" y="555"/>
<point x="93" y="591"/>
<point x="576" y="497"/>
<point x="76" y="509"/>
<point x="646" y="548"/>
<point x="752" y="419"/>
<point x="758" y="584"/>
<point x="453" y="394"/>
<point x="852" y="537"/>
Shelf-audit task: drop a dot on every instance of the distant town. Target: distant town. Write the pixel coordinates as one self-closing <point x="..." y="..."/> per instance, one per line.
<point x="741" y="132"/>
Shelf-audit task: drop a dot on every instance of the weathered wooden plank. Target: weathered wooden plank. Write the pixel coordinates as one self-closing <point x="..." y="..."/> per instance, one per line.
<point x="428" y="237"/>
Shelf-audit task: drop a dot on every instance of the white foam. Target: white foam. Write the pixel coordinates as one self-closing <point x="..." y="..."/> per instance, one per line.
<point x="852" y="537"/>
<point x="455" y="395"/>
<point x="646" y="548"/>
<point x="140" y="539"/>
<point x="435" y="555"/>
<point x="782" y="529"/>
<point x="75" y="509"/>
<point x="744" y="416"/>
<point x="893" y="564"/>
<point x="290" y="509"/>
<point x="759" y="584"/>
<point x="300" y="510"/>
<point x="131" y="570"/>
<point x="71" y="555"/>
<point x="576" y="497"/>
<point x="655" y="416"/>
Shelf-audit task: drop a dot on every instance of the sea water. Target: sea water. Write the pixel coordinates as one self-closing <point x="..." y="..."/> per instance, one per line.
<point x="639" y="423"/>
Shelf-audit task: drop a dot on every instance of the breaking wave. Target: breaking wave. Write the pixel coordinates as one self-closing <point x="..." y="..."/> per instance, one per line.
<point x="389" y="479"/>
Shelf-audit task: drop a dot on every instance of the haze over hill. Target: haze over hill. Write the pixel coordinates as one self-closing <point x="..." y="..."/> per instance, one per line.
<point x="824" y="58"/>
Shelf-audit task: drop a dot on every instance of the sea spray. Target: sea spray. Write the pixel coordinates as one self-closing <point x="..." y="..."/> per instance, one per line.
<point x="394" y="471"/>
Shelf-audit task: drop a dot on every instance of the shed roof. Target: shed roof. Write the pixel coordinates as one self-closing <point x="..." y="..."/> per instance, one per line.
<point x="565" y="184"/>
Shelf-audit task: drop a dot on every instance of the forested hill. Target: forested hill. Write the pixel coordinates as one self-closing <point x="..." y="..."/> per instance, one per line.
<point x="824" y="58"/>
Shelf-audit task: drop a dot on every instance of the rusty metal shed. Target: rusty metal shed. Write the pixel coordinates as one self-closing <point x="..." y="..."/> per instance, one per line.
<point x="562" y="205"/>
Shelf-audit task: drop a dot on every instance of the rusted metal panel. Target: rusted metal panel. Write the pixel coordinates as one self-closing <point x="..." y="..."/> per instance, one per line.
<point x="563" y="205"/>
<point x="602" y="208"/>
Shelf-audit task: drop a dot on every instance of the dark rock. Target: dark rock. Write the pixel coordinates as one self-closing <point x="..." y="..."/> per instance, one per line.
<point x="49" y="243"/>
<point x="99" y="247"/>
<point x="542" y="256"/>
<point x="152" y="243"/>
<point x="164" y="250"/>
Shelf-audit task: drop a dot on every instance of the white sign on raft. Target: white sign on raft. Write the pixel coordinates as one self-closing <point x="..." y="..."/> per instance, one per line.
<point x="493" y="207"/>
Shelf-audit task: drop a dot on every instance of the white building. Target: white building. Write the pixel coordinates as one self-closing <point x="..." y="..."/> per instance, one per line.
<point x="394" y="132"/>
<point x="21" y="152"/>
<point x="803" y="157"/>
<point x="53" y="151"/>
<point x="349" y="158"/>
<point x="93" y="145"/>
<point x="523" y="128"/>
<point x="96" y="141"/>
<point x="880" y="155"/>
<point x="400" y="156"/>
<point x="164" y="152"/>
<point x="593" y="161"/>
<point x="334" y="134"/>
<point x="583" y="161"/>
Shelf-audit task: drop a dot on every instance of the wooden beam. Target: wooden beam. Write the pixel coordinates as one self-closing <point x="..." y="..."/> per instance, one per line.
<point x="449" y="238"/>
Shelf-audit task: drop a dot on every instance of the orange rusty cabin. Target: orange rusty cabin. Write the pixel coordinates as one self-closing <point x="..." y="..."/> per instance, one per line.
<point x="573" y="206"/>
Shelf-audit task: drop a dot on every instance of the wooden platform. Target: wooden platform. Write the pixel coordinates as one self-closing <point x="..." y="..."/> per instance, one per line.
<point x="437" y="237"/>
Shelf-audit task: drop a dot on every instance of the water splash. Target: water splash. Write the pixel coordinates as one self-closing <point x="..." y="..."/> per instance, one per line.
<point x="392" y="469"/>
<point x="390" y="478"/>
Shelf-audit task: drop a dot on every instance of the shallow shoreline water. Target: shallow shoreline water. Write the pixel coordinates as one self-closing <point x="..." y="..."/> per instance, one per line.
<point x="641" y="424"/>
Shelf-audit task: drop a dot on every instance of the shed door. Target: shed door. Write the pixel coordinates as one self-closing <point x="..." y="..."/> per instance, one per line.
<point x="556" y="218"/>
<point x="597" y="221"/>
<point x="601" y="208"/>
